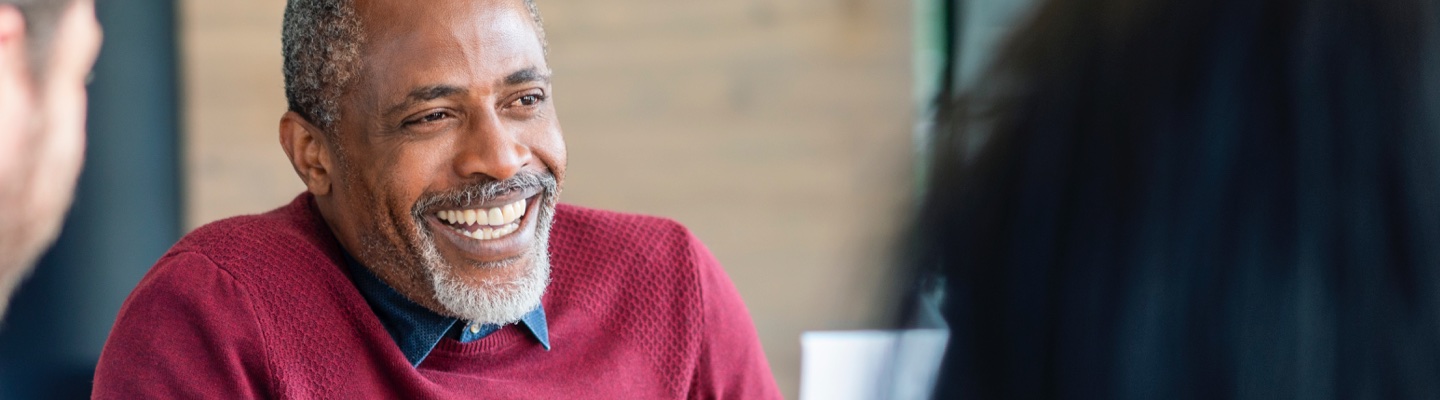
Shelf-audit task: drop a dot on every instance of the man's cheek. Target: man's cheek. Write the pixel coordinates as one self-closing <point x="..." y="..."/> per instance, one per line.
<point x="63" y="146"/>
<point x="18" y="128"/>
<point x="553" y="155"/>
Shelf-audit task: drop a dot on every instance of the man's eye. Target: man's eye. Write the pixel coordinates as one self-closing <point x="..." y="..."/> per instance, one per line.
<point x="431" y="117"/>
<point x="528" y="100"/>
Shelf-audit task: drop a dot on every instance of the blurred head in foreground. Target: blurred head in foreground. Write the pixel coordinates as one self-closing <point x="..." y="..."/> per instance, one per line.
<point x="1193" y="200"/>
<point x="46" y="50"/>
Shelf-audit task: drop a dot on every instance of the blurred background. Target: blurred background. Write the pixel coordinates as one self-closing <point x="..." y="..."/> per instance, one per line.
<point x="782" y="132"/>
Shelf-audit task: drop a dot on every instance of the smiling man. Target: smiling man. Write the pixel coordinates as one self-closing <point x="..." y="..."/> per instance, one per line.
<point x="429" y="257"/>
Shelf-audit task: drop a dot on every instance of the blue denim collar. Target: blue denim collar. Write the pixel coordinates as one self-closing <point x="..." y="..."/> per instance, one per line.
<point x="417" y="329"/>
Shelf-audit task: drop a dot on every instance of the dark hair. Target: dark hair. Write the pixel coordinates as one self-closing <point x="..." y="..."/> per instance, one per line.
<point x="1193" y="200"/>
<point x="321" y="41"/>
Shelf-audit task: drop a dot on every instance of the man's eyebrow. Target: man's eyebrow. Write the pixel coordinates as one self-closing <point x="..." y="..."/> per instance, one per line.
<point x="423" y="94"/>
<point x="527" y="75"/>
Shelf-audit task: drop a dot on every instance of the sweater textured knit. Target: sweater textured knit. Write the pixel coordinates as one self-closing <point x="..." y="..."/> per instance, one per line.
<point x="260" y="307"/>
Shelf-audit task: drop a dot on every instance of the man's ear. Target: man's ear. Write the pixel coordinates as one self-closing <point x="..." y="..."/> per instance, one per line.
<point x="308" y="151"/>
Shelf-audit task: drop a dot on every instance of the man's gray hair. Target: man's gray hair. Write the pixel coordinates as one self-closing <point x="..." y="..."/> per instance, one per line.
<point x="321" y="41"/>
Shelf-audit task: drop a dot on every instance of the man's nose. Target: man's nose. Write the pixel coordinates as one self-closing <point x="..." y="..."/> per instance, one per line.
<point x="491" y="149"/>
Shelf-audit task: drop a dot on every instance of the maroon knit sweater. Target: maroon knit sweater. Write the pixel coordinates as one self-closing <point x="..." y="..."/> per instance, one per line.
<point x="260" y="307"/>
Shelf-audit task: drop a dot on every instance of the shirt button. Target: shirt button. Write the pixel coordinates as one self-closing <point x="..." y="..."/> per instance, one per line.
<point x="474" y="328"/>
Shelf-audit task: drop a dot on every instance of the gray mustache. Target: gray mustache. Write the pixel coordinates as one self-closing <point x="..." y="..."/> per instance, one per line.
<point x="485" y="191"/>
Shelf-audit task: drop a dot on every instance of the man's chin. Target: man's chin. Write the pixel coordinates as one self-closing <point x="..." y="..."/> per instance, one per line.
<point x="493" y="291"/>
<point x="482" y="274"/>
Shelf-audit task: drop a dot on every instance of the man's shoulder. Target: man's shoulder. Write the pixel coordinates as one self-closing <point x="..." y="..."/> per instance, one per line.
<point x="291" y="232"/>
<point x="612" y="266"/>
<point x="282" y="257"/>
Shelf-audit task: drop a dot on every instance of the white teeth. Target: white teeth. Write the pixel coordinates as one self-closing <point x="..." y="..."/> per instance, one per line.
<point x="494" y="222"/>
<point x="490" y="233"/>
<point x="496" y="217"/>
<point x="508" y="211"/>
<point x="483" y="218"/>
<point x="514" y="211"/>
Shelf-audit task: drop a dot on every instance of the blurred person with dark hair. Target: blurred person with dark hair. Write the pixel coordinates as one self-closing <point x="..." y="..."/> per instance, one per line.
<point x="1233" y="199"/>
<point x="429" y="257"/>
<point x="47" y="48"/>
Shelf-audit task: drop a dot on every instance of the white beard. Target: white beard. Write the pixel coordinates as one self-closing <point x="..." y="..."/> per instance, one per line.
<point x="500" y="301"/>
<point x="493" y="302"/>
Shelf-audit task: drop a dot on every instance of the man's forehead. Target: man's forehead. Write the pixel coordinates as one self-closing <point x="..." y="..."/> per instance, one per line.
<point x="481" y="41"/>
<point x="390" y="17"/>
